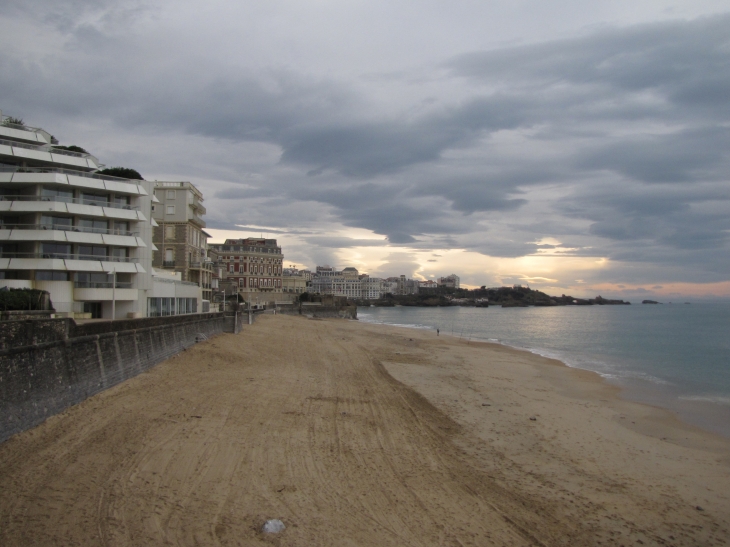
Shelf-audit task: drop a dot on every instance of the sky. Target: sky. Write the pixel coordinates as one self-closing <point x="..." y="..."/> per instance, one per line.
<point x="576" y="147"/>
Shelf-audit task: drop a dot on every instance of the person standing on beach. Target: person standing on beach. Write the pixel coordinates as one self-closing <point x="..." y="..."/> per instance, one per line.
<point x="437" y="332"/>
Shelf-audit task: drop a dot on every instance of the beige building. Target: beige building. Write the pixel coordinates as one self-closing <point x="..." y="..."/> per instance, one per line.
<point x="180" y="237"/>
<point x="292" y="283"/>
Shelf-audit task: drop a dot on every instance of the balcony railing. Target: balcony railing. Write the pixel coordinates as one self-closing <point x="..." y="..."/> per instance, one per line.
<point x="67" y="256"/>
<point x="168" y="263"/>
<point x="74" y="172"/>
<point x="101" y="285"/>
<point x="43" y="148"/>
<point x="197" y="264"/>
<point x="65" y="228"/>
<point x="65" y="199"/>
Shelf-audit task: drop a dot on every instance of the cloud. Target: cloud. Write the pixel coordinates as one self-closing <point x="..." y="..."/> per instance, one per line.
<point x="614" y="142"/>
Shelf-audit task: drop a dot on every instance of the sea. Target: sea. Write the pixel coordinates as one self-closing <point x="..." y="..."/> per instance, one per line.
<point x="675" y="356"/>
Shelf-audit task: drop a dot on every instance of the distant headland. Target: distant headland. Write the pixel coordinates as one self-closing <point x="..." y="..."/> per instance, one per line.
<point x="516" y="296"/>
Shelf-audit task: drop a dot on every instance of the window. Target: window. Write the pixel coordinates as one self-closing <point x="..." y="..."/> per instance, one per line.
<point x="100" y="200"/>
<point x="171" y="194"/>
<point x="170" y="232"/>
<point x="94" y="280"/>
<point x="121" y="227"/>
<point x="119" y="254"/>
<point x="49" y="222"/>
<point x="92" y="225"/>
<point x="170" y="209"/>
<point x="169" y="255"/>
<point x="121" y="201"/>
<point x="52" y="194"/>
<point x="56" y="250"/>
<point x="51" y="276"/>
<point x="92" y="252"/>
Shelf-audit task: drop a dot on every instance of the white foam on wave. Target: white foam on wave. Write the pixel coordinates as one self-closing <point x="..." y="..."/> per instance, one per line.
<point x="608" y="370"/>
<point x="367" y="319"/>
<point x="715" y="399"/>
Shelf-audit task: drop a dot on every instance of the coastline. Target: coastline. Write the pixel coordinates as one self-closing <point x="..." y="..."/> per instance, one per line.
<point x="695" y="407"/>
<point x="366" y="433"/>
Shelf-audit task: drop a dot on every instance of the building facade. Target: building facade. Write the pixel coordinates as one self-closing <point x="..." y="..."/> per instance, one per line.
<point x="348" y="283"/>
<point x="180" y="238"/>
<point x="83" y="237"/>
<point x="253" y="265"/>
<point x="450" y="281"/>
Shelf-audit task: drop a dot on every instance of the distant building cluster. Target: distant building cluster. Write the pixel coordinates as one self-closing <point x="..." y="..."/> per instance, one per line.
<point x="351" y="284"/>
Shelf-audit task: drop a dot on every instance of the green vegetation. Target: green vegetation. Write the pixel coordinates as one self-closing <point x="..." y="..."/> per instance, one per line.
<point x="72" y="148"/>
<point x="122" y="172"/>
<point x="25" y="299"/>
<point x="13" y="121"/>
<point x="507" y="297"/>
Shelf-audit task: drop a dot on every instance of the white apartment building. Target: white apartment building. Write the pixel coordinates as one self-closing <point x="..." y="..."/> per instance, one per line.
<point x="84" y="238"/>
<point x="451" y="281"/>
<point x="371" y="288"/>
<point x="347" y="282"/>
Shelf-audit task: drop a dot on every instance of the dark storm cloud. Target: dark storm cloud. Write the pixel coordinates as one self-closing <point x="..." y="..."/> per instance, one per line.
<point x="342" y="242"/>
<point x="615" y="141"/>
<point x="685" y="60"/>
<point x="685" y="156"/>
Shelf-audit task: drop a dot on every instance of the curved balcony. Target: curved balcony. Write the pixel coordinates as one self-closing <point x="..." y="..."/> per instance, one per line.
<point x="63" y="199"/>
<point x="47" y="154"/>
<point x="70" y="177"/>
<point x="59" y="235"/>
<point x="68" y="256"/>
<point x="81" y="229"/>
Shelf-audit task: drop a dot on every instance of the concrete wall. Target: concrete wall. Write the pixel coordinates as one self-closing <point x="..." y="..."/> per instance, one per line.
<point x="49" y="365"/>
<point x="341" y="312"/>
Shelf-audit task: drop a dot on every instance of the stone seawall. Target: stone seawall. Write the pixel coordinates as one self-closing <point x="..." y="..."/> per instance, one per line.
<point x="48" y="365"/>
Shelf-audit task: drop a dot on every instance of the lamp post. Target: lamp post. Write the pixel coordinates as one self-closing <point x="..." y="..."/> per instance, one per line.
<point x="114" y="293"/>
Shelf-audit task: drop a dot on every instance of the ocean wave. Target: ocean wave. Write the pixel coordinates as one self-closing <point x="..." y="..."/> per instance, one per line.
<point x="605" y="369"/>
<point x="715" y="399"/>
<point x="366" y="319"/>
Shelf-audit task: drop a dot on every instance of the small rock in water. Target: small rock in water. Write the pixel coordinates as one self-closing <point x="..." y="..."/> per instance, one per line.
<point x="533" y="418"/>
<point x="273" y="526"/>
<point x="699" y="508"/>
<point x="486" y="404"/>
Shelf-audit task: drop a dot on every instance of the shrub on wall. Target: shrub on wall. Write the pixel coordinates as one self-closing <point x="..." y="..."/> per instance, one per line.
<point x="25" y="299"/>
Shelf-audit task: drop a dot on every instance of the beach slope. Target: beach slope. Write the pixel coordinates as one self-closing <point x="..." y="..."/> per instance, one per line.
<point x="357" y="434"/>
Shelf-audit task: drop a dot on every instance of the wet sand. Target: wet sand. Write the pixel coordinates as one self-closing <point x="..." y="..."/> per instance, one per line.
<point x="356" y="434"/>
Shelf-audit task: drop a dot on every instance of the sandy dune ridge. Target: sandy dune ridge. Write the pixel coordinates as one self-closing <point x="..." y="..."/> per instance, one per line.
<point x="357" y="434"/>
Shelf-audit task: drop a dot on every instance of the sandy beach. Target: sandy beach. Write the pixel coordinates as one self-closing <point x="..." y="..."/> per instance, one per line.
<point x="362" y="435"/>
